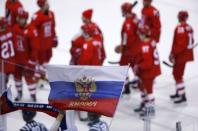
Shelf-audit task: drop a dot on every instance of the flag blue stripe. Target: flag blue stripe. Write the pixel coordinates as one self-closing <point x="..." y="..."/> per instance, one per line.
<point x="104" y="89"/>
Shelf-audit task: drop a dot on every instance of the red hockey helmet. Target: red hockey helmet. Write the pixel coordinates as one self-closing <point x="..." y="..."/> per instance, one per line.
<point x="127" y="7"/>
<point x="144" y="30"/>
<point x="87" y="14"/>
<point x="23" y="14"/>
<point x="3" y="21"/>
<point x="182" y="15"/>
<point x="88" y="29"/>
<point x="41" y="3"/>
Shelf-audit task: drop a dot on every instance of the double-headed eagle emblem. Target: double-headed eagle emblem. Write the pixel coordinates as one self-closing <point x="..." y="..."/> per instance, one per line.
<point x="85" y="86"/>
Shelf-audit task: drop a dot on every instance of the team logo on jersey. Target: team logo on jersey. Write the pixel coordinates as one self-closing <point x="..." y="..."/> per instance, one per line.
<point x="85" y="87"/>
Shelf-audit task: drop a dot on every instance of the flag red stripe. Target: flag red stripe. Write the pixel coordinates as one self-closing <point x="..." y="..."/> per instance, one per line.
<point x="105" y="106"/>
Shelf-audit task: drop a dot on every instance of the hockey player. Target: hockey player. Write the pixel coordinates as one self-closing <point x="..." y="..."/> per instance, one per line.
<point x="7" y="50"/>
<point x="12" y="8"/>
<point x="129" y="38"/>
<point x="77" y="41"/>
<point x="151" y="18"/>
<point x="44" y="22"/>
<point x="31" y="124"/>
<point x="147" y="68"/>
<point x="95" y="123"/>
<point x="181" y="54"/>
<point x="26" y="55"/>
<point x="91" y="49"/>
<point x="87" y="19"/>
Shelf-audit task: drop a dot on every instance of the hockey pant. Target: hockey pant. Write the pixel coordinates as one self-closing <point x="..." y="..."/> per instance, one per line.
<point x="146" y="89"/>
<point x="178" y="73"/>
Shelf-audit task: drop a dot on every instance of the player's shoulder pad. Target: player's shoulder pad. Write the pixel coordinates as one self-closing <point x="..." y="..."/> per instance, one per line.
<point x="154" y="11"/>
<point x="180" y="29"/>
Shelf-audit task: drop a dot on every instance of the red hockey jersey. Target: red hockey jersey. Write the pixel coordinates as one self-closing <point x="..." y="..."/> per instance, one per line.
<point x="182" y="47"/>
<point x="12" y="10"/>
<point x="129" y="31"/>
<point x="7" y="50"/>
<point x="151" y="18"/>
<point x="129" y="38"/>
<point x="147" y="60"/>
<point x="27" y="44"/>
<point x="91" y="53"/>
<point x="45" y="25"/>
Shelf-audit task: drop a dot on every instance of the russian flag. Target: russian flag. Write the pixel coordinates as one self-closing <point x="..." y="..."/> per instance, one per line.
<point x="88" y="88"/>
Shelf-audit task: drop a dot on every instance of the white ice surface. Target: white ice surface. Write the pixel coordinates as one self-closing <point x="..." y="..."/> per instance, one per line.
<point x="107" y="15"/>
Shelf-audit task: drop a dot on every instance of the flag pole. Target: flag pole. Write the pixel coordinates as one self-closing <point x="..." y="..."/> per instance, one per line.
<point x="120" y="96"/>
<point x="3" y="125"/>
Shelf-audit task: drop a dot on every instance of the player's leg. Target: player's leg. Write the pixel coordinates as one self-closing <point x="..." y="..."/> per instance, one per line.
<point x="143" y="96"/>
<point x="124" y="60"/>
<point x="31" y="84"/>
<point x="47" y="55"/>
<point x="176" y="77"/>
<point x="40" y="69"/>
<point x="178" y="73"/>
<point x="18" y="82"/>
<point x="150" y="100"/>
<point x="41" y="59"/>
<point x="126" y="87"/>
<point x="134" y="83"/>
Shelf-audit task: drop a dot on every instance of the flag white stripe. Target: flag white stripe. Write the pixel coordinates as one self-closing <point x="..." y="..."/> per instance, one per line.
<point x="99" y="73"/>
